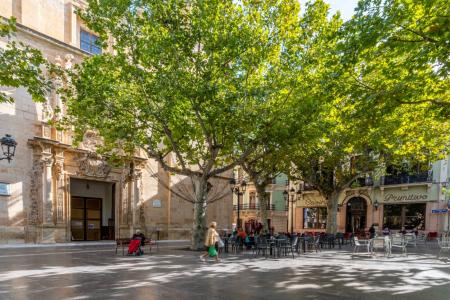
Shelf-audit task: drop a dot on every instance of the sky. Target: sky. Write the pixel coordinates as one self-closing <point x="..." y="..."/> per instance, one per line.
<point x="346" y="7"/>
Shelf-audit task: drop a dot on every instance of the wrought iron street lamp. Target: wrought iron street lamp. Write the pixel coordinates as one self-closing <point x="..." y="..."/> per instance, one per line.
<point x="8" y="145"/>
<point x="289" y="198"/>
<point x="239" y="189"/>
<point x="375" y="204"/>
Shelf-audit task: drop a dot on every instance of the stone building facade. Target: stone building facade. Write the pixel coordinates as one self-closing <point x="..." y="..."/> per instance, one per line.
<point x="55" y="192"/>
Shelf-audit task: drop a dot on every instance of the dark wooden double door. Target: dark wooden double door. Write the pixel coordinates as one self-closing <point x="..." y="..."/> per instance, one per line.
<point x="86" y="218"/>
<point x="356" y="215"/>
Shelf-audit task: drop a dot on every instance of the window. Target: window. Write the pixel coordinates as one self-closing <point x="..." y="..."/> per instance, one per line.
<point x="89" y="43"/>
<point x="315" y="218"/>
<point x="409" y="215"/>
<point x="252" y="200"/>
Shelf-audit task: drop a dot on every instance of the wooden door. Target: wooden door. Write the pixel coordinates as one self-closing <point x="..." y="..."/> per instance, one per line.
<point x="86" y="218"/>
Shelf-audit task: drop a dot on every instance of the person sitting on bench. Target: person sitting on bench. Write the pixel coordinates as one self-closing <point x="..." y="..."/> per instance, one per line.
<point x="138" y="239"/>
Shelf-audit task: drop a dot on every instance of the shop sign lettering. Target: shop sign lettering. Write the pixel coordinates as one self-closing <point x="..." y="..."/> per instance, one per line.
<point x="410" y="197"/>
<point x="312" y="201"/>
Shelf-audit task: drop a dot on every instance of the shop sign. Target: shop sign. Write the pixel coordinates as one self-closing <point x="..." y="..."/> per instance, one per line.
<point x="4" y="189"/>
<point x="439" y="211"/>
<point x="390" y="197"/>
<point x="312" y="200"/>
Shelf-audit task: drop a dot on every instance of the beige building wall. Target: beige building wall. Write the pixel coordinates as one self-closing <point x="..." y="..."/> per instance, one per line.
<point x="47" y="170"/>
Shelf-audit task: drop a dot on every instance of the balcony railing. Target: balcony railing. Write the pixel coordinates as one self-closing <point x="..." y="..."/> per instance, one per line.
<point x="407" y="178"/>
<point x="252" y="206"/>
<point x="361" y="182"/>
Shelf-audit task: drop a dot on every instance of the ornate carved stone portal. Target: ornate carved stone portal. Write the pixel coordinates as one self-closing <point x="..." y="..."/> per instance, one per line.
<point x="92" y="165"/>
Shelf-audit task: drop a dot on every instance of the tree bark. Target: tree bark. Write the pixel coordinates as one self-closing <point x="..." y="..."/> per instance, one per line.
<point x="332" y="204"/>
<point x="199" y="225"/>
<point x="262" y="195"/>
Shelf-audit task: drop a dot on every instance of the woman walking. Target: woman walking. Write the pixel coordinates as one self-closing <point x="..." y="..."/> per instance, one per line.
<point x="212" y="237"/>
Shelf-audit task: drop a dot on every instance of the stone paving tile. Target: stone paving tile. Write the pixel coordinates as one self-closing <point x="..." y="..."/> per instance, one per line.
<point x="96" y="273"/>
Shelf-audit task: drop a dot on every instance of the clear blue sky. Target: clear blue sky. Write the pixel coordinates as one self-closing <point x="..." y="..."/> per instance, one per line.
<point x="346" y="7"/>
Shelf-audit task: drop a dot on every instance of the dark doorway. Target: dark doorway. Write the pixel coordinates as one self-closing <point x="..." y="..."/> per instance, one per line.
<point x="92" y="210"/>
<point x="356" y="216"/>
<point x="86" y="218"/>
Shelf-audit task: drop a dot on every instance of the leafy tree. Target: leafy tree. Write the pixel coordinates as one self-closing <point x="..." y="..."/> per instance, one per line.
<point x="194" y="79"/>
<point x="367" y="120"/>
<point x="21" y="65"/>
<point x="312" y="52"/>
<point x="397" y="52"/>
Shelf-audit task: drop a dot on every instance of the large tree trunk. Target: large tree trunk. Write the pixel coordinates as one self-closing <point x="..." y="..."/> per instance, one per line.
<point x="332" y="204"/>
<point x="199" y="226"/>
<point x="262" y="195"/>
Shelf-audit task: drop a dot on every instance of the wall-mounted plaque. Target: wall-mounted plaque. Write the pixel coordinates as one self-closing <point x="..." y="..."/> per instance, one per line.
<point x="5" y="189"/>
<point x="156" y="203"/>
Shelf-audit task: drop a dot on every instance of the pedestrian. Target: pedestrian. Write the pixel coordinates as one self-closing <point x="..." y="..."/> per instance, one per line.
<point x="372" y="231"/>
<point x="211" y="240"/>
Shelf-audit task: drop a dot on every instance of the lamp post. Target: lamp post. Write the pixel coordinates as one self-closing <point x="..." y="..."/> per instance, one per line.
<point x="8" y="145"/>
<point x="239" y="189"/>
<point x="289" y="197"/>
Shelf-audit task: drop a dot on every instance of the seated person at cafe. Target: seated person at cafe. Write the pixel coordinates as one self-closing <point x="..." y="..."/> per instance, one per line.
<point x="250" y="240"/>
<point x="403" y="231"/>
<point x="386" y="231"/>
<point x="372" y="231"/>
<point x="241" y="233"/>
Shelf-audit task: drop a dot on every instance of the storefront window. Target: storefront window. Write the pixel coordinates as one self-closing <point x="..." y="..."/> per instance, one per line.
<point x="409" y="215"/>
<point x="315" y="218"/>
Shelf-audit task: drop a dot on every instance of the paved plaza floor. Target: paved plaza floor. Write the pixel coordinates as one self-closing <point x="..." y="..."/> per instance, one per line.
<point x="95" y="272"/>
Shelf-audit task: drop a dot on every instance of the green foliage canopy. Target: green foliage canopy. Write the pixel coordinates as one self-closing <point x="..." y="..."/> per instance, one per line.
<point x="21" y="65"/>
<point x="198" y="80"/>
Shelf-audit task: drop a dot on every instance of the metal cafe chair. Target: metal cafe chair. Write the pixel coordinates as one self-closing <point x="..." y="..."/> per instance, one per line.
<point x="399" y="242"/>
<point x="288" y="246"/>
<point x="382" y="243"/>
<point x="262" y="245"/>
<point x="360" y="244"/>
<point x="410" y="239"/>
<point x="444" y="245"/>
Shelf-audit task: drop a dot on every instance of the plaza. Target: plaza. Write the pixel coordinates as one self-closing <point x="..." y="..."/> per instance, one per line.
<point x="95" y="272"/>
<point x="301" y="146"/>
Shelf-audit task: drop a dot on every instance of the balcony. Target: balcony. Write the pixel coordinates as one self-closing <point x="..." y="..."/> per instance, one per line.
<point x="252" y="206"/>
<point x="362" y="182"/>
<point x="407" y="178"/>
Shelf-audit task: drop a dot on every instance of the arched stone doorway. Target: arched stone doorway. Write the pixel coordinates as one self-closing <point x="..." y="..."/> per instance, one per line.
<point x="356" y="215"/>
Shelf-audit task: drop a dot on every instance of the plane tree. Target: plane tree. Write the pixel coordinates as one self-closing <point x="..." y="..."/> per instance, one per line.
<point x="190" y="82"/>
